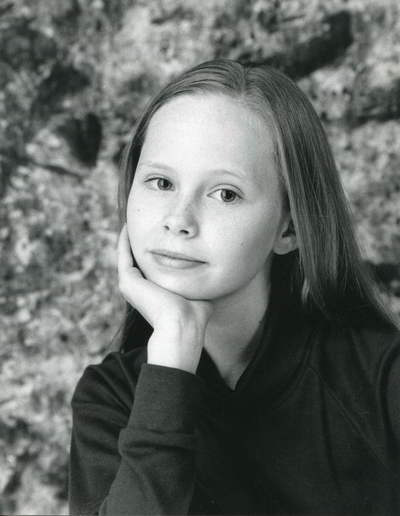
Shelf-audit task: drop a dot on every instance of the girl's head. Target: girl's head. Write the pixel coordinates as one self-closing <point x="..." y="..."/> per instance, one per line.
<point x="285" y="209"/>
<point x="207" y="186"/>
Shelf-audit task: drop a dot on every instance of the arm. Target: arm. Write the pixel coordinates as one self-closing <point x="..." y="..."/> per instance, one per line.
<point x="154" y="474"/>
<point x="393" y="407"/>
<point x="143" y="464"/>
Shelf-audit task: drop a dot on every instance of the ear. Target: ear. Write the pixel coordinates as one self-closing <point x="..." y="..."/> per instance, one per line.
<point x="286" y="239"/>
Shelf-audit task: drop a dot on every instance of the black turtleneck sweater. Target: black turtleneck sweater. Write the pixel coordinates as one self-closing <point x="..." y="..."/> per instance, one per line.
<point x="312" y="427"/>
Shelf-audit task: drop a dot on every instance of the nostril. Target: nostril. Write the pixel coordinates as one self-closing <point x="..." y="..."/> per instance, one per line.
<point x="179" y="225"/>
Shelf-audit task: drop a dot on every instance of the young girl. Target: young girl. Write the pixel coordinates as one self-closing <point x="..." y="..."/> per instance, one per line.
<point x="257" y="372"/>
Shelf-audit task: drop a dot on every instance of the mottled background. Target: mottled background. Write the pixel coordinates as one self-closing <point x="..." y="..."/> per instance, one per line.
<point x="74" y="77"/>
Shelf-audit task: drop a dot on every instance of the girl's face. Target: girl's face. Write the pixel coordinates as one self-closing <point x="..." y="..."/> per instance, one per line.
<point x="206" y="186"/>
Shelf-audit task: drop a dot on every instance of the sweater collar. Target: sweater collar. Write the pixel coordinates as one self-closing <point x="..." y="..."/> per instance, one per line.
<point x="281" y="342"/>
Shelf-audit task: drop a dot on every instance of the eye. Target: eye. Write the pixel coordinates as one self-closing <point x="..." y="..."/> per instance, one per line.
<point x="228" y="196"/>
<point x="161" y="183"/>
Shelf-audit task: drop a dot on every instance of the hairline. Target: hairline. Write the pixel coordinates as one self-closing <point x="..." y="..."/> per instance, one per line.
<point x="258" y="106"/>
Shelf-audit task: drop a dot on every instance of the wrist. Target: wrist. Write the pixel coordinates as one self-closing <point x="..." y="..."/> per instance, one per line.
<point x="177" y="346"/>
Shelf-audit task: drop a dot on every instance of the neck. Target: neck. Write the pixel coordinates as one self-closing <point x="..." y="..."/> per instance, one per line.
<point x="232" y="326"/>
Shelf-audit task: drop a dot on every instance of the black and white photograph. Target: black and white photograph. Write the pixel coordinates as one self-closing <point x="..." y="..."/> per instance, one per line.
<point x="200" y="257"/>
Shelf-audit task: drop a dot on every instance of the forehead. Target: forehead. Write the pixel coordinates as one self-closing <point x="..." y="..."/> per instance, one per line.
<point x="209" y="128"/>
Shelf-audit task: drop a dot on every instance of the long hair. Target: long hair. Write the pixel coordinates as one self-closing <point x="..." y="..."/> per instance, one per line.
<point x="326" y="273"/>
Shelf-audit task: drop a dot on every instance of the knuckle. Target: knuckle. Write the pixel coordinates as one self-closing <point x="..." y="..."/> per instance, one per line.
<point x="121" y="286"/>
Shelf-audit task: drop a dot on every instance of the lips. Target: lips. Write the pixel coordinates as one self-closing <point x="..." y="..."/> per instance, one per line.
<point x="178" y="256"/>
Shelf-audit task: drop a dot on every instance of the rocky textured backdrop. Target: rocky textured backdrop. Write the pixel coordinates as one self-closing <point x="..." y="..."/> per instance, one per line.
<point x="74" y="77"/>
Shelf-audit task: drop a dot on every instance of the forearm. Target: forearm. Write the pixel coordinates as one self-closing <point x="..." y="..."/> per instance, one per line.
<point x="157" y="471"/>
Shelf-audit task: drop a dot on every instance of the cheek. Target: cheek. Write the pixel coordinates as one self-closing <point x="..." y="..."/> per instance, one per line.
<point x="137" y="213"/>
<point x="246" y="252"/>
<point x="247" y="240"/>
<point x="136" y="222"/>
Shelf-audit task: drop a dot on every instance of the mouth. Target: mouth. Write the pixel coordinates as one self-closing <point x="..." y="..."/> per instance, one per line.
<point x="169" y="260"/>
<point x="175" y="256"/>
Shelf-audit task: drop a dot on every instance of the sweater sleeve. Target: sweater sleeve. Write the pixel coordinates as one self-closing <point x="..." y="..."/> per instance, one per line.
<point x="393" y="401"/>
<point x="142" y="463"/>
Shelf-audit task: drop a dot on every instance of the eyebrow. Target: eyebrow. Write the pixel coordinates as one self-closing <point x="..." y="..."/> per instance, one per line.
<point x="238" y="174"/>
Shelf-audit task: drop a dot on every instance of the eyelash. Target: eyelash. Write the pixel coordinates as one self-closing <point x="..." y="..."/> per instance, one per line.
<point x="237" y="198"/>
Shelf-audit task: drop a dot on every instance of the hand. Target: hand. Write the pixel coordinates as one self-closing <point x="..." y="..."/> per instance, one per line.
<point x="179" y="323"/>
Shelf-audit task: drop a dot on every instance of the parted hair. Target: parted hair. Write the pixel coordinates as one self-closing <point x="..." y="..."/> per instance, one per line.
<point x="326" y="273"/>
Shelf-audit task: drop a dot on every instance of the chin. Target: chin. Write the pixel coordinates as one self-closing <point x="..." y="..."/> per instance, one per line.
<point x="193" y="291"/>
<point x="182" y="289"/>
<point x="192" y="288"/>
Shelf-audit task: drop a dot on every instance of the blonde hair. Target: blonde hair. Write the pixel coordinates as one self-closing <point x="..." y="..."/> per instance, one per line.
<point x="326" y="272"/>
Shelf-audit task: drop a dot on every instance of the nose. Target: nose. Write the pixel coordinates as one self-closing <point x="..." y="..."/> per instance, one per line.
<point x="180" y="220"/>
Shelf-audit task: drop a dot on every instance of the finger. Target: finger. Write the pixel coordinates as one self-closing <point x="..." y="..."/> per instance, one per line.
<point x="127" y="272"/>
<point x="134" y="288"/>
<point x="142" y="294"/>
<point x="125" y="260"/>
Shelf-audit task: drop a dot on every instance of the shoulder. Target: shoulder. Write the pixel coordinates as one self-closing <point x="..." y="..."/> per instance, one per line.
<point x="360" y="352"/>
<point x="111" y="382"/>
<point x="359" y="370"/>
